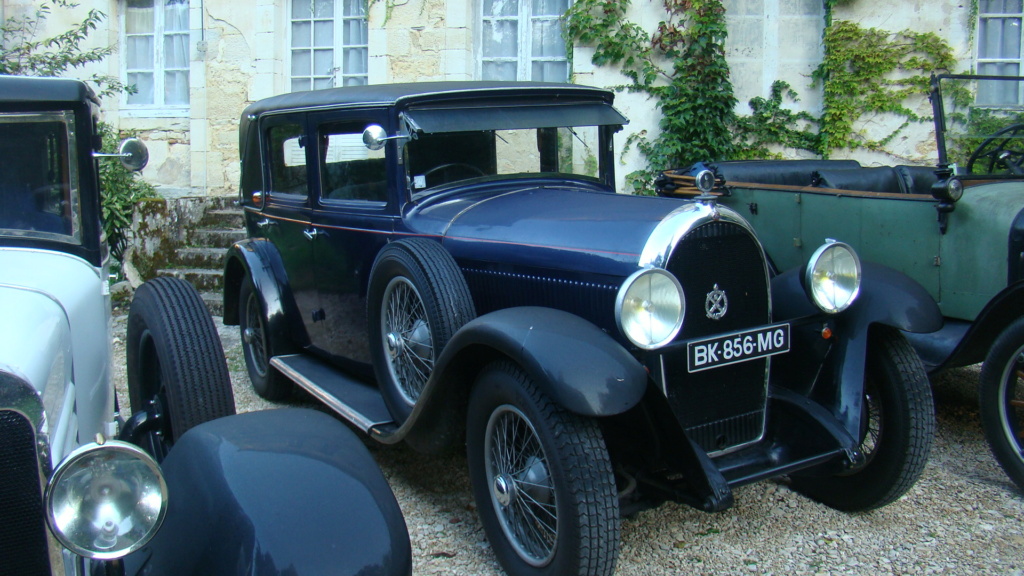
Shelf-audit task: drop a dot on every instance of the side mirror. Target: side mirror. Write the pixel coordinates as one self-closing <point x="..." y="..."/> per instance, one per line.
<point x="375" y="136"/>
<point x="133" y="154"/>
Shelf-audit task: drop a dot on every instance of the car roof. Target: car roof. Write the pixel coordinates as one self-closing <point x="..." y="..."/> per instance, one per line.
<point x="20" y="89"/>
<point x="393" y="94"/>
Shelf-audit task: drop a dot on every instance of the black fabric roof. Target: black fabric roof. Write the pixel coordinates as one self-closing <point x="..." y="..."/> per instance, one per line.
<point x="17" y="89"/>
<point x="390" y="94"/>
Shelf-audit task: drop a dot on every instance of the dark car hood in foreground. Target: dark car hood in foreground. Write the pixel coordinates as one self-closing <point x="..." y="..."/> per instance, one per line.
<point x="584" y="229"/>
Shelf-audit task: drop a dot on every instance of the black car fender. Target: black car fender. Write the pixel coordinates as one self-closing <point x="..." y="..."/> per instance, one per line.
<point x="962" y="342"/>
<point x="273" y="492"/>
<point x="258" y="259"/>
<point x="887" y="297"/>
<point x="578" y="365"/>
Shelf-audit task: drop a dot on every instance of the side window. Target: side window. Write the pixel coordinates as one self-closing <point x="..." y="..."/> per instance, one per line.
<point x="348" y="170"/>
<point x="287" y="155"/>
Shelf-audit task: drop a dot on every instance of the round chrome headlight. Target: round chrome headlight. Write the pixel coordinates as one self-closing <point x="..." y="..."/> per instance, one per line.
<point x="833" y="277"/>
<point x="649" y="308"/>
<point x="106" y="500"/>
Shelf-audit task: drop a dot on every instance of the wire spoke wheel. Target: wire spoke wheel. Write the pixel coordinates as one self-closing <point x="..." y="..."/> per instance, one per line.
<point x="407" y="339"/>
<point x="522" y="492"/>
<point x="542" y="479"/>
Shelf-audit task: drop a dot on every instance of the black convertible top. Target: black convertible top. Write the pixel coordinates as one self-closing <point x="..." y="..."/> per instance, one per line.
<point x="21" y="89"/>
<point x="391" y="94"/>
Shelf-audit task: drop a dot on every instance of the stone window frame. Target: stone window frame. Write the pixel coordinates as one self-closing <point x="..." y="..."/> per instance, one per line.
<point x="340" y="34"/>
<point x="160" y="68"/>
<point x="497" y="17"/>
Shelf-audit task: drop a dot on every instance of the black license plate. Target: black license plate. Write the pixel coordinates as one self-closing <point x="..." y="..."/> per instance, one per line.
<point x="737" y="347"/>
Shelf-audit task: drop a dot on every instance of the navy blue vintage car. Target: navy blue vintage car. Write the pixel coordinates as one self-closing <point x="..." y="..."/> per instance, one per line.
<point x="186" y="486"/>
<point x="449" y="263"/>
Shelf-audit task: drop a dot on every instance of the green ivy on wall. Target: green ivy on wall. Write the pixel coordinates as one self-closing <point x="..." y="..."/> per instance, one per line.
<point x="869" y="72"/>
<point x="681" y="66"/>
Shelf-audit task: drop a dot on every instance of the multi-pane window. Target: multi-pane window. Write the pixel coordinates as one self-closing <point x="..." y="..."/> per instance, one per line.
<point x="156" y="51"/>
<point x="328" y="44"/>
<point x="523" y="40"/>
<point x="999" y="50"/>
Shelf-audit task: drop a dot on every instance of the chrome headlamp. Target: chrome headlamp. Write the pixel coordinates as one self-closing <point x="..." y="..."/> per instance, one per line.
<point x="106" y="500"/>
<point x="833" y="277"/>
<point x="649" y="308"/>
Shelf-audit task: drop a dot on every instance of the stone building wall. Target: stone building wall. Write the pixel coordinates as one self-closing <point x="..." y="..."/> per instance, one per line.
<point x="239" y="54"/>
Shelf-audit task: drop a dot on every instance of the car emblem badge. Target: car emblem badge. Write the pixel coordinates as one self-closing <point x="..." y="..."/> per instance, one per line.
<point x="716" y="304"/>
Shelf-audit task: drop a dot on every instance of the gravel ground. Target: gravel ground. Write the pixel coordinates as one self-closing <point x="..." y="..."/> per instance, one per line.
<point x="962" y="517"/>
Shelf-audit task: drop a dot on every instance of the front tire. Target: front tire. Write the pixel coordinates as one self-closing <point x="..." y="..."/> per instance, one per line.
<point x="1001" y="401"/>
<point x="542" y="479"/>
<point x="417" y="300"/>
<point x="176" y="367"/>
<point x="896" y="434"/>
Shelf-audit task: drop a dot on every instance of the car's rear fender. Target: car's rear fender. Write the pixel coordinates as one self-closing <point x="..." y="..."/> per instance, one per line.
<point x="256" y="492"/>
<point x="258" y="259"/>
<point x="575" y="363"/>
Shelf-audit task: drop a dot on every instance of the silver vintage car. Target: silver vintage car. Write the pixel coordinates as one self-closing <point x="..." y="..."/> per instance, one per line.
<point x="185" y="486"/>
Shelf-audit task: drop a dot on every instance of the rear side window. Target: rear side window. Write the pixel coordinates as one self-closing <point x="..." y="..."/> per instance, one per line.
<point x="349" y="172"/>
<point x="39" y="195"/>
<point x="287" y="155"/>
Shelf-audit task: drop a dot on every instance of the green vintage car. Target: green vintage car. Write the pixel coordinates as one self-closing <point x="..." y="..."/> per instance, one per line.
<point x="956" y="228"/>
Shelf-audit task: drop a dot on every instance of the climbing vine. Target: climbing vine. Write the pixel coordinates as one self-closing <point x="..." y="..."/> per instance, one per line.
<point x="866" y="72"/>
<point x="681" y="67"/>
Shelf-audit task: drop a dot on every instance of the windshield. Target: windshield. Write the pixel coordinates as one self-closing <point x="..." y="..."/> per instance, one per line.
<point x="39" y="195"/>
<point x="983" y="130"/>
<point x="443" y="158"/>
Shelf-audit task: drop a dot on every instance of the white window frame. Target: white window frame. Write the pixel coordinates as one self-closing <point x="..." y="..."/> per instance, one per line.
<point x="156" y="109"/>
<point x="337" y="73"/>
<point x="524" y="58"/>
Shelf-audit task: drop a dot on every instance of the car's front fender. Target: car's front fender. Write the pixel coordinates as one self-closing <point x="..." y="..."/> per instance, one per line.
<point x="579" y="366"/>
<point x="273" y="492"/>
<point x="887" y="297"/>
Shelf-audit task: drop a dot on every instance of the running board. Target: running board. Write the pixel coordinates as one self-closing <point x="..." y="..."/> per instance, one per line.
<point x="359" y="403"/>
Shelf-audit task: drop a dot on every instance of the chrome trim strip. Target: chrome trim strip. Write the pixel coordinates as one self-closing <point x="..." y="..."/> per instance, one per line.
<point x="680" y="222"/>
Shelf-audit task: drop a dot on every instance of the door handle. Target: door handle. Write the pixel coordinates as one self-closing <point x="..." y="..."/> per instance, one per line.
<point x="265" y="223"/>
<point x="312" y="233"/>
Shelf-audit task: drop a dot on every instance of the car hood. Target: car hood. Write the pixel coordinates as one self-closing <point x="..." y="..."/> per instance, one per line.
<point x="585" y="229"/>
<point x="45" y="293"/>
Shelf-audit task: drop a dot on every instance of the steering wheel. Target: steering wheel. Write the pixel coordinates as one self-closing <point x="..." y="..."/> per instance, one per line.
<point x="451" y="165"/>
<point x="999" y="152"/>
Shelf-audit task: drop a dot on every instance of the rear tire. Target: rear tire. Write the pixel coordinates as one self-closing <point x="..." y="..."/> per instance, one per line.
<point x="542" y="479"/>
<point x="896" y="435"/>
<point x="258" y="346"/>
<point x="176" y="367"/>
<point x="1001" y="401"/>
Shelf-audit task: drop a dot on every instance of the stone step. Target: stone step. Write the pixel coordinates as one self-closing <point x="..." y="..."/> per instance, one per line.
<point x="209" y="258"/>
<point x="215" y="238"/>
<point x="204" y="280"/>
<point x="223" y="218"/>
<point x="214" y="303"/>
